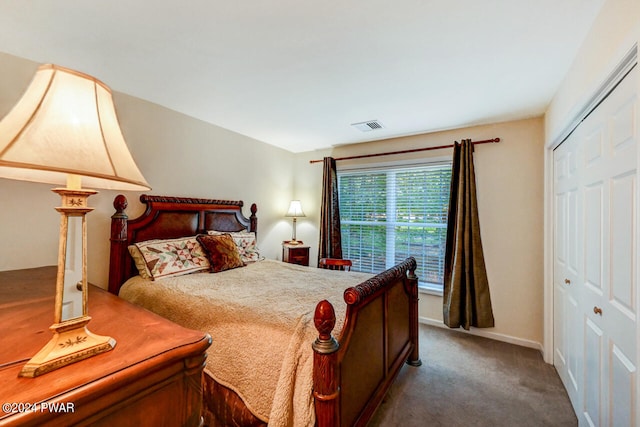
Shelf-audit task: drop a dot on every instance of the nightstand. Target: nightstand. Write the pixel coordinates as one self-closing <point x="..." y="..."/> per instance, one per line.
<point x="295" y="254"/>
<point x="153" y="376"/>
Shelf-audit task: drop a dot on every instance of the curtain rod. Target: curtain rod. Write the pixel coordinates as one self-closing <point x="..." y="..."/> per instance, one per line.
<point x="486" y="141"/>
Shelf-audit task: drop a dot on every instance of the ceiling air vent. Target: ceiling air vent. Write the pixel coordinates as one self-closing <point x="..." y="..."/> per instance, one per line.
<point x="368" y="126"/>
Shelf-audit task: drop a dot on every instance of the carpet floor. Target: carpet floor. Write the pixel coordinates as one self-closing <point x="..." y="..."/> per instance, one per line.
<point x="466" y="380"/>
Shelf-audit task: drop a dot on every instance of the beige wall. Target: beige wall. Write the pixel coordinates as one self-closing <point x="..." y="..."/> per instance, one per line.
<point x="613" y="34"/>
<point x="178" y="155"/>
<point x="510" y="199"/>
<point x="30" y="225"/>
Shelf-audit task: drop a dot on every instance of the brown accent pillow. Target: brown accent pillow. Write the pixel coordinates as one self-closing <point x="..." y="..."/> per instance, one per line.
<point x="222" y="252"/>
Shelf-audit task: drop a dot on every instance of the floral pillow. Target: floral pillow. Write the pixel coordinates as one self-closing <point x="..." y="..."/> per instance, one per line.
<point x="173" y="257"/>
<point x="245" y="241"/>
<point x="222" y="251"/>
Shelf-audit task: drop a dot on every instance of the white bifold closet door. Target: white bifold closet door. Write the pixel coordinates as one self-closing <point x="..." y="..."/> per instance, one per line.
<point x="595" y="260"/>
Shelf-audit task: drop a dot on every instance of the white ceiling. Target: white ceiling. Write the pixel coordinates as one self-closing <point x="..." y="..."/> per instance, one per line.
<point x="297" y="73"/>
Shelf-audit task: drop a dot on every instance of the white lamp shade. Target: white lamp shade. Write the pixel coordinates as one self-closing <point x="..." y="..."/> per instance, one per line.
<point x="65" y="123"/>
<point x="295" y="209"/>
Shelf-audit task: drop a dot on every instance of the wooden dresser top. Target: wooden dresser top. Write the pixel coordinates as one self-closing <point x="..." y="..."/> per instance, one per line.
<point x="145" y="342"/>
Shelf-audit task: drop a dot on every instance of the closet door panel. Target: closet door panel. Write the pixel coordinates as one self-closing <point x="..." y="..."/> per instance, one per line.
<point x="560" y="331"/>
<point x="593" y="384"/>
<point x="567" y="332"/>
<point x="623" y="127"/>
<point x="593" y="228"/>
<point x="623" y="378"/>
<point x="620" y="311"/>
<point x="623" y="244"/>
<point x="574" y="345"/>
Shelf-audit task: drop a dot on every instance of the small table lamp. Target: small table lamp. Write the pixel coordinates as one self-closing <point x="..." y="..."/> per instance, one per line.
<point x="295" y="210"/>
<point x="64" y="130"/>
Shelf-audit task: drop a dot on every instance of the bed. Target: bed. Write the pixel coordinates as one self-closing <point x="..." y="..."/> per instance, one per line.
<point x="351" y="366"/>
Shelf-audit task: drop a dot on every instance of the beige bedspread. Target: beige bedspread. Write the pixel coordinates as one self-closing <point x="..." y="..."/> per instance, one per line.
<point x="261" y="320"/>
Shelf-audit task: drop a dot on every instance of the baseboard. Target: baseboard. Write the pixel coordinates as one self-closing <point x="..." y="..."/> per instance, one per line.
<point x="487" y="334"/>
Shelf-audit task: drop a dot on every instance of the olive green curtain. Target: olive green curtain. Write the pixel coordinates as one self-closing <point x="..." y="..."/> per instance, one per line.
<point x="466" y="299"/>
<point x="330" y="239"/>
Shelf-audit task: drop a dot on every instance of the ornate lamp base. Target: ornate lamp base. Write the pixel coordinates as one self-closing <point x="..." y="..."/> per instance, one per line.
<point x="71" y="343"/>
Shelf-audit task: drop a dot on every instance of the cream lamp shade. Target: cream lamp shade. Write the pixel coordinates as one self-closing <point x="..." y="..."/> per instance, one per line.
<point x="64" y="130"/>
<point x="66" y="123"/>
<point x="295" y="210"/>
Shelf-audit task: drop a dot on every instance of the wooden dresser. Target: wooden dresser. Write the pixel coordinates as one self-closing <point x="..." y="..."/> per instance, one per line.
<point x="153" y="377"/>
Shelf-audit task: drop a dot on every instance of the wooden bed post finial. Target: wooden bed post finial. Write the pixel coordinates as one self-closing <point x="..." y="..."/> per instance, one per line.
<point x="120" y="203"/>
<point x="324" y="320"/>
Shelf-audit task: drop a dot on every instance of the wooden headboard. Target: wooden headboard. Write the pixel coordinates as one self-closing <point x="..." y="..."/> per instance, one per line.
<point x="167" y="218"/>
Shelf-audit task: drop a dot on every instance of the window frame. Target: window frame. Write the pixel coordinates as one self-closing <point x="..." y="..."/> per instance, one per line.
<point x="425" y="287"/>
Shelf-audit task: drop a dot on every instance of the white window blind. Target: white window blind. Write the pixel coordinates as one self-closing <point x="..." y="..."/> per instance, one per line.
<point x="389" y="214"/>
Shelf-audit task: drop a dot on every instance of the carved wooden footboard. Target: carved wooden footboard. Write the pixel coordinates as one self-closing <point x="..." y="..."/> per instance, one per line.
<point x="351" y="373"/>
<point x="380" y="334"/>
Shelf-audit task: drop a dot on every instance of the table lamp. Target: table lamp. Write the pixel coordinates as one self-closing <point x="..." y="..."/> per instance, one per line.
<point x="64" y="130"/>
<point x="295" y="210"/>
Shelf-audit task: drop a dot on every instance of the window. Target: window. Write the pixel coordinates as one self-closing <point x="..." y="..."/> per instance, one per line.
<point x="389" y="214"/>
